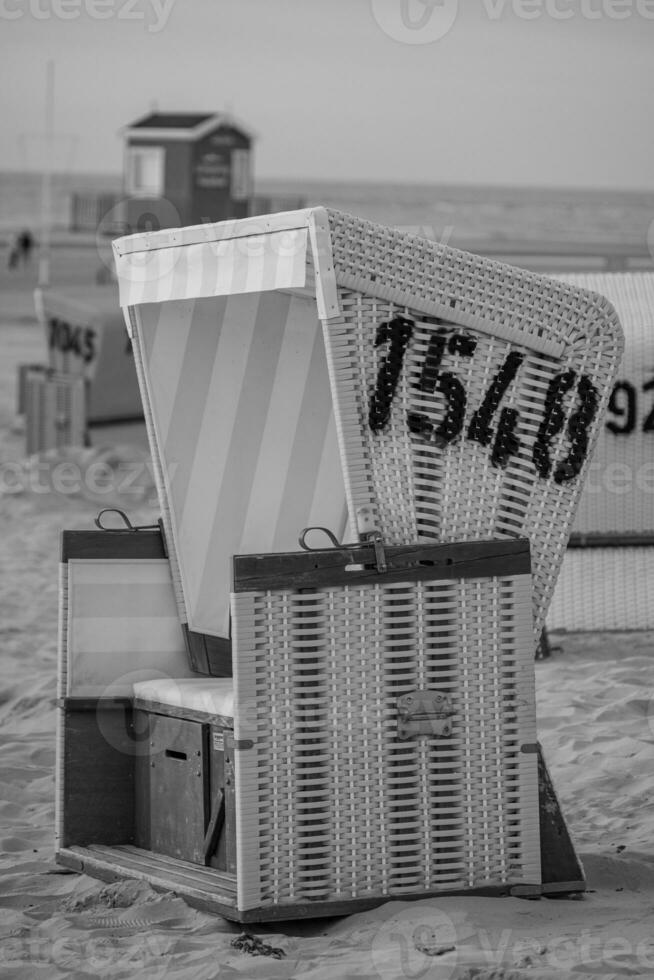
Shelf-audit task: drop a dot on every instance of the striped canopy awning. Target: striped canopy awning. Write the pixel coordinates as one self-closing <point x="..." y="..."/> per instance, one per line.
<point x="243" y="428"/>
<point x="232" y="257"/>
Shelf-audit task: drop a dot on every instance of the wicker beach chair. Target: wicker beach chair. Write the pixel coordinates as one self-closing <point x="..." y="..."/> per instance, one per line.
<point x="607" y="576"/>
<point x="383" y="739"/>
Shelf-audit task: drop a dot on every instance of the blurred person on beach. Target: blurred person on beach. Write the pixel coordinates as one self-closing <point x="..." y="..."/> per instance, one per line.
<point x="12" y="260"/>
<point x="21" y="248"/>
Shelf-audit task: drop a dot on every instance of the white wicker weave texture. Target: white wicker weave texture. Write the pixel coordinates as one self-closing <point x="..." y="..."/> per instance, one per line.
<point x="619" y="493"/>
<point x="612" y="588"/>
<point x="468" y="394"/>
<point x="604" y="589"/>
<point x="331" y="804"/>
<point x="55" y="411"/>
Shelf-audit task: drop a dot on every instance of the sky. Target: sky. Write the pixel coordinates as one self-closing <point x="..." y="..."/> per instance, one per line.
<point x="511" y="92"/>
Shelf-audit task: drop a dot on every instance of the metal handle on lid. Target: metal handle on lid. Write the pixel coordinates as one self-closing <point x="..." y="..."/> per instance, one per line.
<point x="128" y="524"/>
<point x="332" y="537"/>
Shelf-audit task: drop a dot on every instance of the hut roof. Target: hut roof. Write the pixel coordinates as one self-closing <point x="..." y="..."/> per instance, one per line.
<point x="183" y="125"/>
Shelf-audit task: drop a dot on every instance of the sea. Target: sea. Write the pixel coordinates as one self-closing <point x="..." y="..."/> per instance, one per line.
<point x="444" y="213"/>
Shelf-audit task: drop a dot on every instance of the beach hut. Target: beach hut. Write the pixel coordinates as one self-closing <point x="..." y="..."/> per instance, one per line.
<point x="185" y="168"/>
<point x="378" y="736"/>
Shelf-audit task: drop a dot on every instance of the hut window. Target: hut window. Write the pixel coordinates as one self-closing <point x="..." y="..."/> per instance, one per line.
<point x="145" y="170"/>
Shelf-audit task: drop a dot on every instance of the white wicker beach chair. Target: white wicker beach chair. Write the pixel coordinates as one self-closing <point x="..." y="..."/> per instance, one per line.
<point x="384" y="731"/>
<point x="607" y="578"/>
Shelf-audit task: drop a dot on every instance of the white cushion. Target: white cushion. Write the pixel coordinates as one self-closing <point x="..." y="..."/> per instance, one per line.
<point x="211" y="695"/>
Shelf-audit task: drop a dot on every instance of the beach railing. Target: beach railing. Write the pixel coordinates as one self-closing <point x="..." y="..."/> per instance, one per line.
<point x="274" y="203"/>
<point x="88" y="210"/>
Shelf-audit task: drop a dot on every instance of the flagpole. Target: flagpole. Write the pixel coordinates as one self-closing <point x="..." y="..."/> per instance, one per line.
<point x="46" y="180"/>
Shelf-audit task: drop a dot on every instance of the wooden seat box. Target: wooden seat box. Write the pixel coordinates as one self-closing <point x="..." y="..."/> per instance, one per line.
<point x="184" y="780"/>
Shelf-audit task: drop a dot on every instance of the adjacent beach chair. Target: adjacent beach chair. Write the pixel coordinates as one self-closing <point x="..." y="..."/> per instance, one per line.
<point x="607" y="577"/>
<point x="55" y="410"/>
<point x="85" y="338"/>
<point x="382" y="742"/>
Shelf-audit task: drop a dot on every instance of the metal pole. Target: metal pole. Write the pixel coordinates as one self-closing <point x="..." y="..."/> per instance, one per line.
<point x="46" y="181"/>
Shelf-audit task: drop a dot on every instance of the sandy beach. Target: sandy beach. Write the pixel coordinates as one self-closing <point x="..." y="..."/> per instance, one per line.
<point x="596" y="723"/>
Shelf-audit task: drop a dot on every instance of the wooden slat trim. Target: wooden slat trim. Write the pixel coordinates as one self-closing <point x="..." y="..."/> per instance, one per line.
<point x="205" y="893"/>
<point x="216" y="823"/>
<point x="145" y="866"/>
<point x="185" y="869"/>
<point x="112" y="545"/>
<point x="186" y="714"/>
<point x="642" y="539"/>
<point x="93" y="704"/>
<point x="216" y="232"/>
<point x="405" y="563"/>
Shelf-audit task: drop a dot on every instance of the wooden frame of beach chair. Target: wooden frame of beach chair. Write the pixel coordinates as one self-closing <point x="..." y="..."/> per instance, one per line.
<point x="607" y="576"/>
